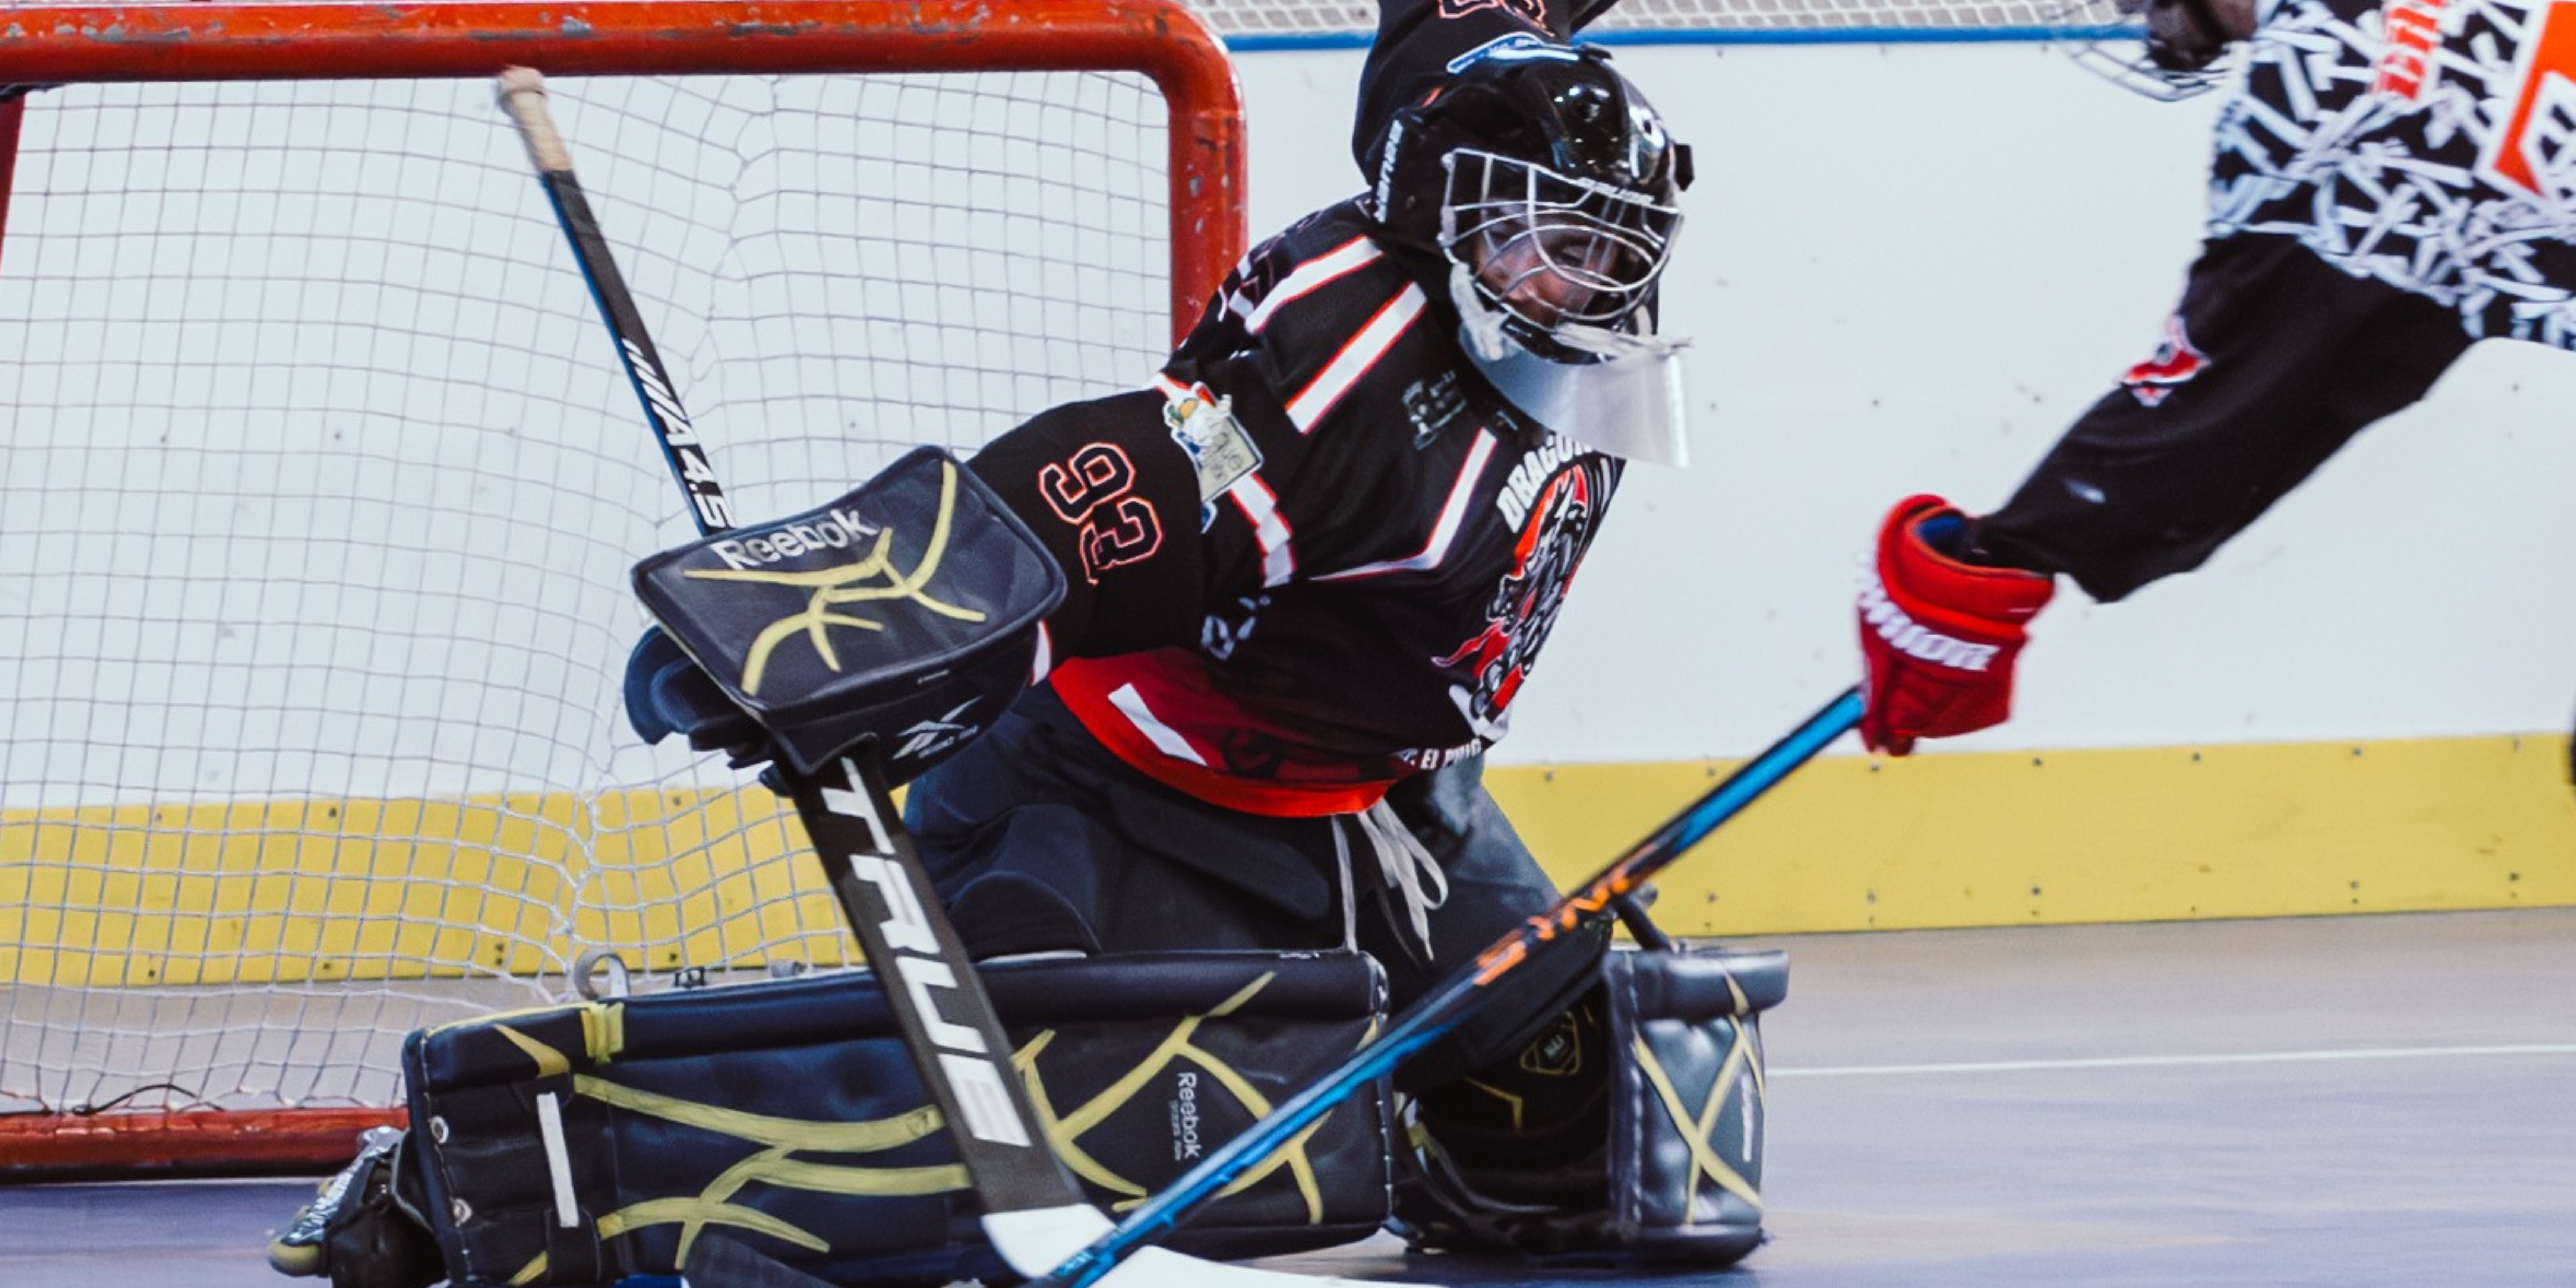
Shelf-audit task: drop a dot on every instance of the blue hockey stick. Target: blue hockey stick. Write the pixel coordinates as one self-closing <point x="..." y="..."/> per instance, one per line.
<point x="1446" y="1007"/>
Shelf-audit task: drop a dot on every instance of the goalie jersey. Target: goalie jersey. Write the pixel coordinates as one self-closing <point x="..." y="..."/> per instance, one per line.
<point x="1319" y="554"/>
<point x="2426" y="144"/>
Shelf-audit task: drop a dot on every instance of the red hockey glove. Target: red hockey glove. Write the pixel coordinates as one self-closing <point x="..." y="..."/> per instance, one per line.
<point x="1937" y="636"/>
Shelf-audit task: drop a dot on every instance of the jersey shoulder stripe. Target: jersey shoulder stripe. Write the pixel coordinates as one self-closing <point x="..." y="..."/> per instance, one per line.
<point x="1317" y="397"/>
<point x="1349" y="257"/>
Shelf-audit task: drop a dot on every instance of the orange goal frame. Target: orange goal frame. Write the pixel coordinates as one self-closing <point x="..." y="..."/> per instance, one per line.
<point x="47" y="46"/>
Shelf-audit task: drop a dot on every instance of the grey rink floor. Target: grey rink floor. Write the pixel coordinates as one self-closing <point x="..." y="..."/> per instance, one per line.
<point x="2342" y="1101"/>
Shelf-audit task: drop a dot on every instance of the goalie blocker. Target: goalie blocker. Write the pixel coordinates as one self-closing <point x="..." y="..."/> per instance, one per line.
<point x="907" y="613"/>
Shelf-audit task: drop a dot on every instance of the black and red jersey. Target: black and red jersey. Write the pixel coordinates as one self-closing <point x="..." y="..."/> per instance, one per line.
<point x="1320" y="553"/>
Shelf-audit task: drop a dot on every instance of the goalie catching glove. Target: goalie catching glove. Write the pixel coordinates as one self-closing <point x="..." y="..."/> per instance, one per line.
<point x="1938" y="635"/>
<point x="908" y="613"/>
<point x="1648" y="1152"/>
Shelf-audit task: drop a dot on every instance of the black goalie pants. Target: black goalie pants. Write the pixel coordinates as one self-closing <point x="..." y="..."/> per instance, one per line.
<point x="1039" y="839"/>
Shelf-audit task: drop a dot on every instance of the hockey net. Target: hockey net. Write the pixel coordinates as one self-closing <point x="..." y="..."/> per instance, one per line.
<point x="323" y="481"/>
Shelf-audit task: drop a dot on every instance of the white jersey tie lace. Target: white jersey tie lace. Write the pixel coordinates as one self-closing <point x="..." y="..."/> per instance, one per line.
<point x="1407" y="867"/>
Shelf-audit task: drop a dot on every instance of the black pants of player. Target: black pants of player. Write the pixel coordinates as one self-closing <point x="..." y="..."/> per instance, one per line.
<point x="1039" y="839"/>
<point x="2300" y="356"/>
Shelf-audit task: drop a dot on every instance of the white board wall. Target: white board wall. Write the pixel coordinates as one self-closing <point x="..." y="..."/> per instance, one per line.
<point x="1907" y="269"/>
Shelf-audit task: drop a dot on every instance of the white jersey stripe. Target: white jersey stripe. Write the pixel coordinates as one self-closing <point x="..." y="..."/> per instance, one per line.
<point x="1453" y="513"/>
<point x="1355" y="359"/>
<point x="1340" y="260"/>
<point x="1260" y="508"/>
<point x="1131" y="704"/>
<point x="1045" y="659"/>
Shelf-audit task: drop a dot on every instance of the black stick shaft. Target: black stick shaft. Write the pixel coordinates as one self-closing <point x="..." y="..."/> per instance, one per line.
<point x="948" y="1025"/>
<point x="947" y="1022"/>
<point x="523" y="96"/>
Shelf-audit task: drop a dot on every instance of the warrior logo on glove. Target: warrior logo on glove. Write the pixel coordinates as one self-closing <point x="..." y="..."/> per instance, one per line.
<point x="1938" y="635"/>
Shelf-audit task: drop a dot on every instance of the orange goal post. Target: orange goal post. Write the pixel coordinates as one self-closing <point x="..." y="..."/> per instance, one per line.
<point x="322" y="482"/>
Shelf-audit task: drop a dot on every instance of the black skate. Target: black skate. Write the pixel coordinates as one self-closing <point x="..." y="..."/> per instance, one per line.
<point x="356" y="1230"/>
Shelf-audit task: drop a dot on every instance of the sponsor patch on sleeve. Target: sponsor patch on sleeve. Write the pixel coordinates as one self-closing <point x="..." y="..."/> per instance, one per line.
<point x="1205" y="427"/>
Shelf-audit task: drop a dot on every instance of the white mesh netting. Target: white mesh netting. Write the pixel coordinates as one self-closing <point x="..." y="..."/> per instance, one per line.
<point x="324" y="482"/>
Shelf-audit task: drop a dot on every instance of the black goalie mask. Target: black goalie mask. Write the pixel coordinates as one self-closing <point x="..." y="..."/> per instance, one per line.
<point x="1540" y="186"/>
<point x="1546" y="176"/>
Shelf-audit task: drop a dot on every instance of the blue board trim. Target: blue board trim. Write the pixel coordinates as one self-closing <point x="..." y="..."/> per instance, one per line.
<point x="1273" y="42"/>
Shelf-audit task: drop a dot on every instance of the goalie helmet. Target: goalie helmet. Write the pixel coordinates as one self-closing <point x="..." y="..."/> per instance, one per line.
<point x="1543" y="172"/>
<point x="1544" y="184"/>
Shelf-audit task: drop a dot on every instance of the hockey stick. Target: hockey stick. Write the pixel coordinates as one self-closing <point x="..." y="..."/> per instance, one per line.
<point x="1034" y="1213"/>
<point x="1449" y="1005"/>
<point x="523" y="96"/>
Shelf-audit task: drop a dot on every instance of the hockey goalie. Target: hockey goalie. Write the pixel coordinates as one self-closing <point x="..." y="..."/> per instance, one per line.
<point x="1190" y="686"/>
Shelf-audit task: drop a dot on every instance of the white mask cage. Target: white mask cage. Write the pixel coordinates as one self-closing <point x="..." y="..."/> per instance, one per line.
<point x="1549" y="249"/>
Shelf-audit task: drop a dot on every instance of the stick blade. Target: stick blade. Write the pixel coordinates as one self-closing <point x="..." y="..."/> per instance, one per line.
<point x="1036" y="1241"/>
<point x="1164" y="1268"/>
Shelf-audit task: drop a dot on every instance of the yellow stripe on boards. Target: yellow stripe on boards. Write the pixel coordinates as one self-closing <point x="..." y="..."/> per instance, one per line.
<point x="2129" y="834"/>
<point x="292" y="891"/>
<point x="288" y="891"/>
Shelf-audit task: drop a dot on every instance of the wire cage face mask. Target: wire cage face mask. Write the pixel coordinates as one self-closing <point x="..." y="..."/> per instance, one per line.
<point x="1551" y="251"/>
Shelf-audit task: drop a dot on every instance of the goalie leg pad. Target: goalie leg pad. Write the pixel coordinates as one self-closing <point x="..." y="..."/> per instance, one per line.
<point x="1676" y="1179"/>
<point x="582" y="1144"/>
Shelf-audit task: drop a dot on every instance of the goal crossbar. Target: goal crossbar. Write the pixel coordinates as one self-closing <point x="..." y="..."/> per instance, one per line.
<point x="1159" y="39"/>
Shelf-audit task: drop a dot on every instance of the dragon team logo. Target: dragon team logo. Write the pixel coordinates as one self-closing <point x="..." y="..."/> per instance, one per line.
<point x="2176" y="362"/>
<point x="1524" y="607"/>
<point x="2534" y="153"/>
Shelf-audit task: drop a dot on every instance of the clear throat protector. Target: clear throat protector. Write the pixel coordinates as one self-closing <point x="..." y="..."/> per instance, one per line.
<point x="1552" y="276"/>
<point x="1626" y="401"/>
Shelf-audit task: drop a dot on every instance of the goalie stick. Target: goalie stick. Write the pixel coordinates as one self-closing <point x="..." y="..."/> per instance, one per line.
<point x="1446" y="1007"/>
<point x="1034" y="1213"/>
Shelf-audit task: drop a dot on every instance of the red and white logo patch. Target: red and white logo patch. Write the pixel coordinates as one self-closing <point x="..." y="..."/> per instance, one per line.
<point x="2175" y="362"/>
